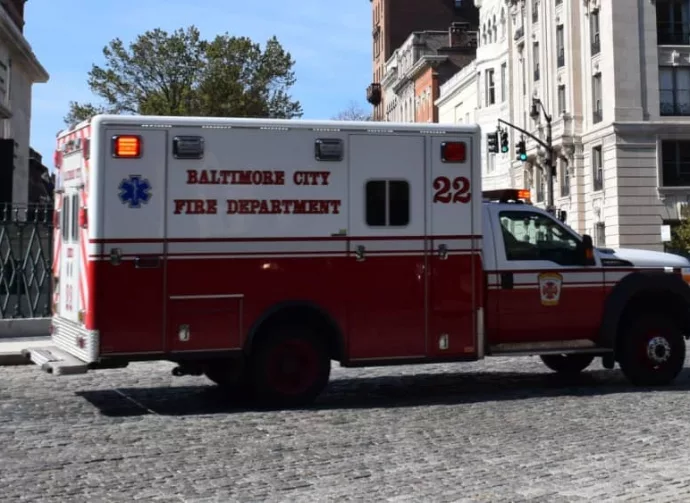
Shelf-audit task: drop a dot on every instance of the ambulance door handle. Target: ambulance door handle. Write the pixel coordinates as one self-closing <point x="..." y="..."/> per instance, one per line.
<point x="147" y="262"/>
<point x="442" y="252"/>
<point x="116" y="256"/>
<point x="359" y="253"/>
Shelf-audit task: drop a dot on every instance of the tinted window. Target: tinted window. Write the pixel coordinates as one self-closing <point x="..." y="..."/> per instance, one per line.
<point x="387" y="203"/>
<point x="533" y="236"/>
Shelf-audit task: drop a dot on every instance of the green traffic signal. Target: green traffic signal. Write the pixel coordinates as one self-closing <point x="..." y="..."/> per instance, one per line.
<point x="523" y="157"/>
<point x="504" y="142"/>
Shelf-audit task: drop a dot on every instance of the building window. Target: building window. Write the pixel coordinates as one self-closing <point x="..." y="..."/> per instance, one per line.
<point x="4" y="81"/>
<point x="504" y="81"/>
<point x="674" y="90"/>
<point x="479" y="89"/>
<point x="597" y="114"/>
<point x="597" y="170"/>
<point x="594" y="31"/>
<point x="565" y="179"/>
<point x="600" y="234"/>
<point x="490" y="88"/>
<point x="673" y="22"/>
<point x="562" y="103"/>
<point x="675" y="163"/>
<point x="560" y="45"/>
<point x="535" y="60"/>
<point x="535" y="11"/>
<point x="523" y="70"/>
<point x="387" y="203"/>
<point x="540" y="186"/>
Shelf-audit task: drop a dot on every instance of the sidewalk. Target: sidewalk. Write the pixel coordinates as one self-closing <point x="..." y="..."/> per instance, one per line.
<point x="11" y="347"/>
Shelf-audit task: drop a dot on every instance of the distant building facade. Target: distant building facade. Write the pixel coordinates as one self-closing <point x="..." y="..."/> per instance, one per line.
<point x="19" y="70"/>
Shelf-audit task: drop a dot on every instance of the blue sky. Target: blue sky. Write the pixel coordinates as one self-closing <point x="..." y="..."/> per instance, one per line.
<point x="331" y="44"/>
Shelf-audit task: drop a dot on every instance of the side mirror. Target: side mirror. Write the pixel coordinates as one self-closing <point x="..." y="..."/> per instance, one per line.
<point x="587" y="250"/>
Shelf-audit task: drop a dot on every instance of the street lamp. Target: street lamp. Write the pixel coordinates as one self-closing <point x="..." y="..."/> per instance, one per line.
<point x="537" y="107"/>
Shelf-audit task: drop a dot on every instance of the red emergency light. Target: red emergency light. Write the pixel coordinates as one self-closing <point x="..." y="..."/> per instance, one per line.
<point x="508" y="195"/>
<point x="453" y="151"/>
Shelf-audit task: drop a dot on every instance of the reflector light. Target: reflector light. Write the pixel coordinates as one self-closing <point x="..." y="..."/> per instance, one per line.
<point x="453" y="151"/>
<point x="83" y="218"/>
<point x="57" y="159"/>
<point x="127" y="146"/>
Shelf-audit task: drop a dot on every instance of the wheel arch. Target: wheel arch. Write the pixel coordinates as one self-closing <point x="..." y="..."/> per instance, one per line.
<point x="299" y="311"/>
<point x="645" y="291"/>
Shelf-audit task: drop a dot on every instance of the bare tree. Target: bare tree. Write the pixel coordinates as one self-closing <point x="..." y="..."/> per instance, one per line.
<point x="353" y="112"/>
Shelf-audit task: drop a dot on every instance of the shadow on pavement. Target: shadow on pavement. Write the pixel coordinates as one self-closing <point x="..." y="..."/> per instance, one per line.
<point x="389" y="391"/>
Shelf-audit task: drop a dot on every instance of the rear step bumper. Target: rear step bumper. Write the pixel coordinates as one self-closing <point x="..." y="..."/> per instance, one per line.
<point x="56" y="361"/>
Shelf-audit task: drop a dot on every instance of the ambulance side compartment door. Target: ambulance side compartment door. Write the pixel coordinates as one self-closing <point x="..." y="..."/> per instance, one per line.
<point x="131" y="300"/>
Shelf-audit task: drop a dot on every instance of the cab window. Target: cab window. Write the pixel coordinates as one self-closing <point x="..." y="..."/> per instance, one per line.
<point x="533" y="236"/>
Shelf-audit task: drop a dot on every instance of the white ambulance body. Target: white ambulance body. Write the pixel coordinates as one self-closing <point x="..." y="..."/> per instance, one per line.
<point x="257" y="251"/>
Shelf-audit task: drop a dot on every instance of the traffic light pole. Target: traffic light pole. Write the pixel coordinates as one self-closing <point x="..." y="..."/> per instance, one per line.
<point x="548" y="146"/>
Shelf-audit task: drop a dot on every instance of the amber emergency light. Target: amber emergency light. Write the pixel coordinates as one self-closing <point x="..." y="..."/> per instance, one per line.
<point x="508" y="195"/>
<point x="127" y="146"/>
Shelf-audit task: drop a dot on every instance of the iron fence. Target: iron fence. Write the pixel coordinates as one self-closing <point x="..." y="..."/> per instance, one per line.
<point x="26" y="256"/>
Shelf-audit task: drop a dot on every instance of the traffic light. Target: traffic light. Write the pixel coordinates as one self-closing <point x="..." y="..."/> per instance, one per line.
<point x="521" y="150"/>
<point x="492" y="142"/>
<point x="504" y="142"/>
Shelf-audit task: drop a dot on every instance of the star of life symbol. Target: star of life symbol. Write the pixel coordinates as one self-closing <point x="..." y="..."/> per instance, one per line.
<point x="550" y="285"/>
<point x="134" y="191"/>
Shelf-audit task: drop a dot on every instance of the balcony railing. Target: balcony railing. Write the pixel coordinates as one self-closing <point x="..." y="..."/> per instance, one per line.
<point x="674" y="103"/>
<point x="672" y="34"/>
<point x="374" y="94"/>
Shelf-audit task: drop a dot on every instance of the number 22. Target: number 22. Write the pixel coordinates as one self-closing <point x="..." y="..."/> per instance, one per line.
<point x="461" y="190"/>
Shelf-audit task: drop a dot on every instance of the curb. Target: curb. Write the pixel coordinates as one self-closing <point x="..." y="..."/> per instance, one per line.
<point x="24" y="327"/>
<point x="11" y="350"/>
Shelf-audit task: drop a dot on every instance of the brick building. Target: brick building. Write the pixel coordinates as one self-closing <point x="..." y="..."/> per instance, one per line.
<point x="395" y="20"/>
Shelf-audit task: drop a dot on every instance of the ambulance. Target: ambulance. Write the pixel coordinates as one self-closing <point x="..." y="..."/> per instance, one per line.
<point x="256" y="252"/>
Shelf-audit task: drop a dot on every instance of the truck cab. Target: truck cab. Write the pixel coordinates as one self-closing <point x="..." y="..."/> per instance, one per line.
<point x="551" y="293"/>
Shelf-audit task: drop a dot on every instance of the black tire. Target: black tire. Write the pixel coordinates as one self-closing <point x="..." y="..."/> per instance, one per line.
<point x="290" y="367"/>
<point x="567" y="364"/>
<point x="651" y="350"/>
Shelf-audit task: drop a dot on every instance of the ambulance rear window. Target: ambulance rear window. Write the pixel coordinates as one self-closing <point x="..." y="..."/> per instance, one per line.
<point x="75" y="218"/>
<point x="65" y="218"/>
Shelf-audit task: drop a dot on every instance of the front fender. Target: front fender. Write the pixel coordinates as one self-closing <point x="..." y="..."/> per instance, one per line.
<point x="657" y="285"/>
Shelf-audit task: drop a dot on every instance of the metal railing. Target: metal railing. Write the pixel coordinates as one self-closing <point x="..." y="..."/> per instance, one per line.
<point x="26" y="256"/>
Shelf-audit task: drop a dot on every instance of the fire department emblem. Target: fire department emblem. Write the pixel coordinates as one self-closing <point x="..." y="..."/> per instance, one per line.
<point x="134" y="191"/>
<point x="550" y="284"/>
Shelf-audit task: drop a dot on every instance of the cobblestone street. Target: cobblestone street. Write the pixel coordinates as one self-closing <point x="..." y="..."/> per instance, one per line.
<point x="500" y="430"/>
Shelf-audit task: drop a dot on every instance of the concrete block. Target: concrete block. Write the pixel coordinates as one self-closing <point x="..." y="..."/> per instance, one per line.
<point x="24" y="327"/>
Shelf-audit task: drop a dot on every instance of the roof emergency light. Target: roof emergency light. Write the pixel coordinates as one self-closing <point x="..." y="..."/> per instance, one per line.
<point x="453" y="151"/>
<point x="508" y="196"/>
<point x="127" y="146"/>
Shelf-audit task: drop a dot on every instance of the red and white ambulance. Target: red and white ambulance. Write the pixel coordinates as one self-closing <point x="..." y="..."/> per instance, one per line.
<point x="258" y="251"/>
